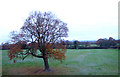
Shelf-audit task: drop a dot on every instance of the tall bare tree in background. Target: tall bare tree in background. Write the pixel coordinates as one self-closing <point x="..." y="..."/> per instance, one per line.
<point x="43" y="32"/>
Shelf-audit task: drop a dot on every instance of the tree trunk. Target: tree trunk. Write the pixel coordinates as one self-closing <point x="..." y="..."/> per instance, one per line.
<point x="46" y="64"/>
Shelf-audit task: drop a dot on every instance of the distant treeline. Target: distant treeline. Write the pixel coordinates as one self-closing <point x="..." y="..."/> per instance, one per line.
<point x="99" y="44"/>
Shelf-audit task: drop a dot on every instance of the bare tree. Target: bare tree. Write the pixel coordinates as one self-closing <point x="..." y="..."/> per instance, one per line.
<point x="43" y="32"/>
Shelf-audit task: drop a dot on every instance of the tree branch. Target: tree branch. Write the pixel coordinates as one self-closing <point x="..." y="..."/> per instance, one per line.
<point x="36" y="55"/>
<point x="25" y="57"/>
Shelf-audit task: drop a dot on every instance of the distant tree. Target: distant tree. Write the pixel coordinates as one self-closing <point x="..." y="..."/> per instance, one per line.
<point x="103" y="43"/>
<point x="107" y="43"/>
<point x="0" y="47"/>
<point x="41" y="31"/>
<point x="118" y="43"/>
<point x="63" y="42"/>
<point x="5" y="46"/>
<point x="67" y="43"/>
<point x="112" y="42"/>
<point x="75" y="44"/>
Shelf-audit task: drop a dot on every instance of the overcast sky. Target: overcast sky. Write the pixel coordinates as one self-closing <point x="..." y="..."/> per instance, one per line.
<point x="86" y="19"/>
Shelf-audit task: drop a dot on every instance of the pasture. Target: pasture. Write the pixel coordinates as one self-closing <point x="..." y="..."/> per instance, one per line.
<point x="77" y="62"/>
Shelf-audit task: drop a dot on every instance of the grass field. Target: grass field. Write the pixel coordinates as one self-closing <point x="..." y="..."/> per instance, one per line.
<point x="77" y="62"/>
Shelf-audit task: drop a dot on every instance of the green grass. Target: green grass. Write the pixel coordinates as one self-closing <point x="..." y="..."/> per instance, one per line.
<point x="77" y="62"/>
<point x="93" y="45"/>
